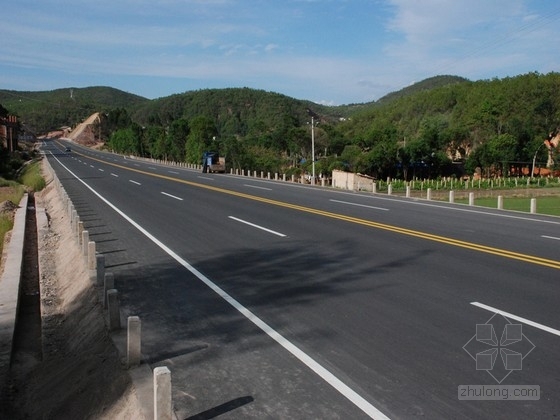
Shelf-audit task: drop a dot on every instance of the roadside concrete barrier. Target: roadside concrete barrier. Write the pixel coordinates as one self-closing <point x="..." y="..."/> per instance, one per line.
<point x="133" y="341"/>
<point x="100" y="267"/>
<point x="85" y="241"/>
<point x="109" y="283"/>
<point x="91" y="255"/>
<point x="163" y="404"/>
<point x="114" y="310"/>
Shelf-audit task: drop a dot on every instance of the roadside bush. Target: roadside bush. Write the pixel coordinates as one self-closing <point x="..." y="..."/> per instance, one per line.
<point x="31" y="176"/>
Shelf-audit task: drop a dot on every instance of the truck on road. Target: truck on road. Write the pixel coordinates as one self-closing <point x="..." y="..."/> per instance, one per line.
<point x="212" y="162"/>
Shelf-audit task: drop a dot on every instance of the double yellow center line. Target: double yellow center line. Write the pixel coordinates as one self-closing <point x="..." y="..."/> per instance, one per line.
<point x="403" y="231"/>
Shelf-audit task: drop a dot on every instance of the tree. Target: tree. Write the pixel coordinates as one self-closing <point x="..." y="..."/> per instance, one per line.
<point x="202" y="132"/>
<point x="124" y="141"/>
<point x="177" y="139"/>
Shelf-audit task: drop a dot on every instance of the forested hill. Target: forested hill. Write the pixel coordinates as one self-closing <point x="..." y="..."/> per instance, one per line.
<point x="424" y="85"/>
<point x="48" y="110"/>
<point x="234" y="110"/>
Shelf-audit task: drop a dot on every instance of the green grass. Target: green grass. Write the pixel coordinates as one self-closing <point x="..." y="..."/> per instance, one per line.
<point x="13" y="191"/>
<point x="545" y="204"/>
<point x="31" y="177"/>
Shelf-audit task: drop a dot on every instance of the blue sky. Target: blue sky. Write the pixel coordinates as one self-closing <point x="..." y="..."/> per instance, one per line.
<point x="328" y="51"/>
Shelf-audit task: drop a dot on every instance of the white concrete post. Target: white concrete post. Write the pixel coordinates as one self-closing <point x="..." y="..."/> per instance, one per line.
<point x="451" y="196"/>
<point x="293" y="178"/>
<point x="163" y="404"/>
<point x="429" y="194"/>
<point x="92" y="260"/>
<point x="389" y="189"/>
<point x="374" y="188"/>
<point x="108" y="284"/>
<point x="471" y="199"/>
<point x="114" y="311"/>
<point x="78" y="227"/>
<point x="133" y="341"/>
<point x="100" y="264"/>
<point x="533" y="205"/>
<point x="500" y="202"/>
<point x="85" y="241"/>
<point x="408" y="191"/>
<point x="74" y="219"/>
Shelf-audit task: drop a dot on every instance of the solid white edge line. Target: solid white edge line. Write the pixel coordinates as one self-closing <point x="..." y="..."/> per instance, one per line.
<point x="172" y="196"/>
<point x="550" y="237"/>
<point x="257" y="226"/>
<point x="325" y="374"/>
<point x="517" y="318"/>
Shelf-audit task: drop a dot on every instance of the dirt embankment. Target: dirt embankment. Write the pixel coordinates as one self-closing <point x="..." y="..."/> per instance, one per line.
<point x="79" y="374"/>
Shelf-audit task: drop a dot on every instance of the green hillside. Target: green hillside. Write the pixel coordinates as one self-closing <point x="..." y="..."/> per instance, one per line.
<point x="441" y="126"/>
<point x="49" y="110"/>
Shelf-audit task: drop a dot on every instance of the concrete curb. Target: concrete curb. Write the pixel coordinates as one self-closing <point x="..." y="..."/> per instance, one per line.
<point x="9" y="289"/>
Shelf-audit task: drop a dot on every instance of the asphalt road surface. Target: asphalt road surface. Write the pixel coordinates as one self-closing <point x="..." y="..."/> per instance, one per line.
<point x="269" y="299"/>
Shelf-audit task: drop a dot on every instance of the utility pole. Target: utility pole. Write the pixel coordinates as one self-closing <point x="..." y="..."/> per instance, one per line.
<point x="313" y="150"/>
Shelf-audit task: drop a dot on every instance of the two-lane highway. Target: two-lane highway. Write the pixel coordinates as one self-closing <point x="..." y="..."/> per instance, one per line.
<point x="275" y="300"/>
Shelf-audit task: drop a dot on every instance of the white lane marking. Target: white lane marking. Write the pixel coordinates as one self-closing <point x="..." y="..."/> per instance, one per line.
<point x="173" y="172"/>
<point x="101" y="170"/>
<point x="91" y="166"/>
<point x="207" y="178"/>
<point x="307" y="360"/>
<point x="257" y="226"/>
<point x="151" y="167"/>
<point x="115" y="175"/>
<point x="256" y="186"/>
<point x="517" y="318"/>
<point x="134" y="182"/>
<point x="550" y="237"/>
<point x="172" y="196"/>
<point x="359" y="205"/>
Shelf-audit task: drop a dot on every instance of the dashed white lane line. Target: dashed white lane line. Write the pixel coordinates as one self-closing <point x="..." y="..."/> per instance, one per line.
<point x="257" y="187"/>
<point x="115" y="175"/>
<point x="359" y="205"/>
<point x="550" y="237"/>
<point x="517" y="318"/>
<point x="172" y="196"/>
<point x="257" y="226"/>
<point x="134" y="182"/>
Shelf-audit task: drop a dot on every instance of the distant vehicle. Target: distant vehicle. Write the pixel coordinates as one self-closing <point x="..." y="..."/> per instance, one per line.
<point x="67" y="150"/>
<point x="212" y="162"/>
